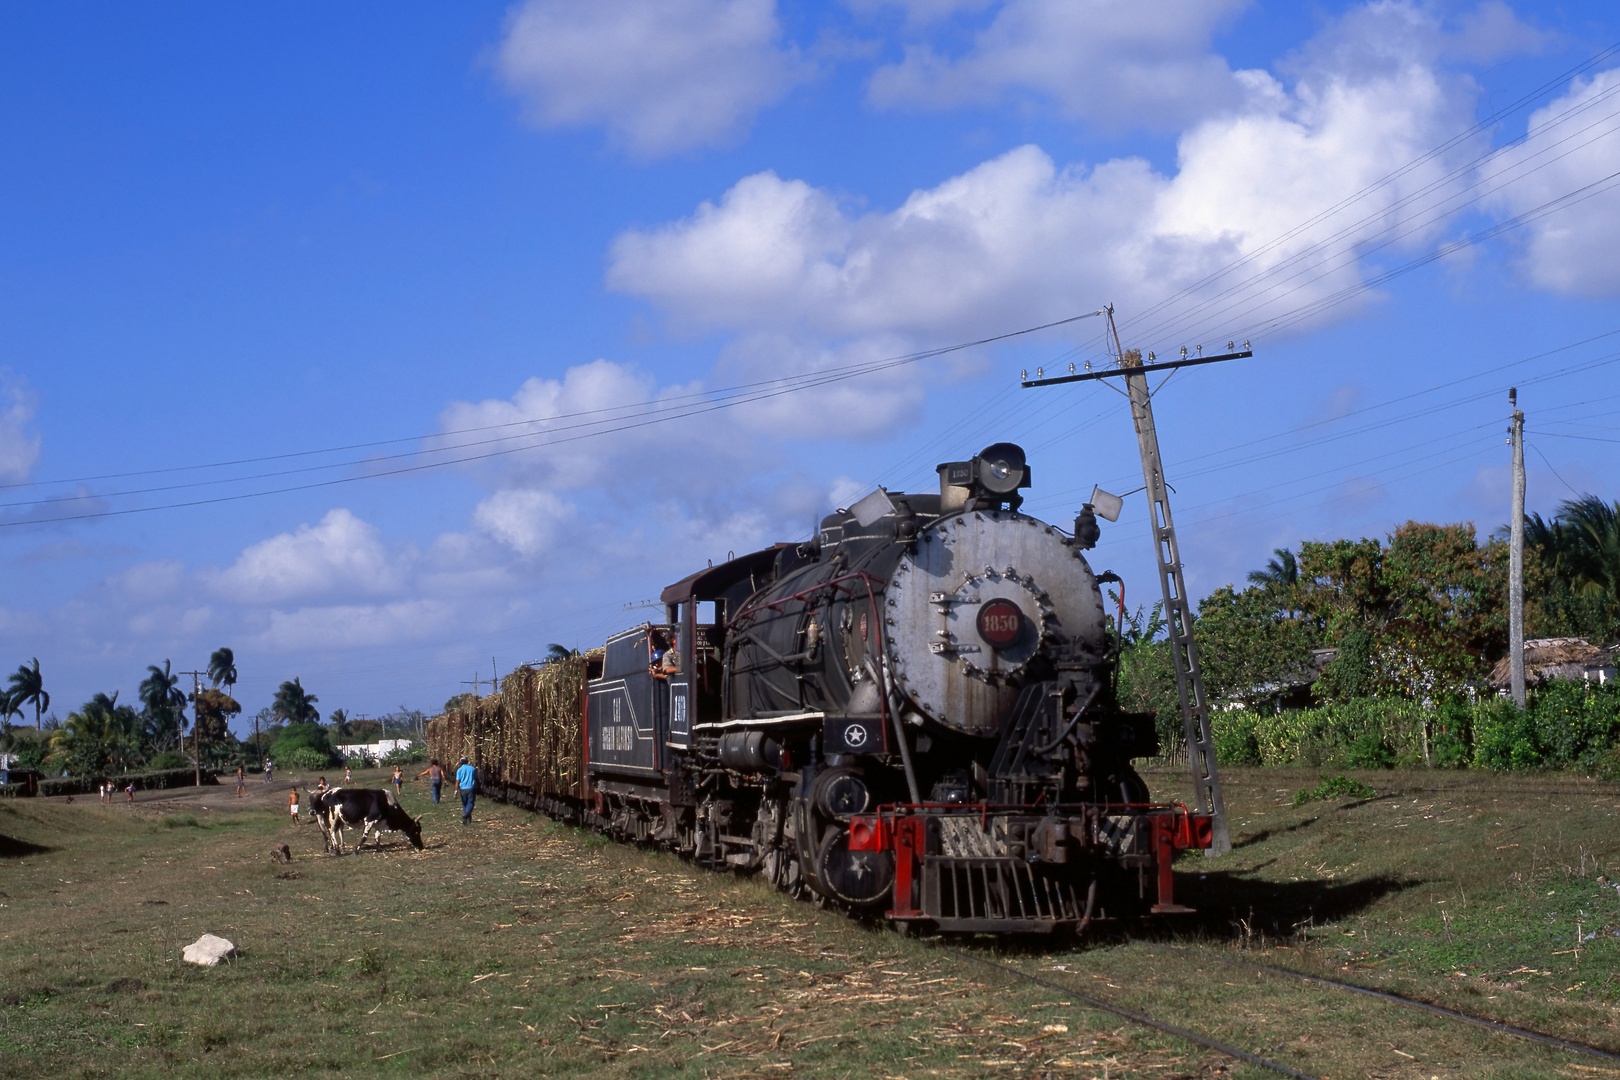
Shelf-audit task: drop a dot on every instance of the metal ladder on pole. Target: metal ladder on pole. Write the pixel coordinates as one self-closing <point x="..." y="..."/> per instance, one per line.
<point x="1177" y="613"/>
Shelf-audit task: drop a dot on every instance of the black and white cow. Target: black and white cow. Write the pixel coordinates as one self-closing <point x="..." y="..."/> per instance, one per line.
<point x="343" y="808"/>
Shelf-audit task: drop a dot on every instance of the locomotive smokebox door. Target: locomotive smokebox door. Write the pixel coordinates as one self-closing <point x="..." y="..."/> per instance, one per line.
<point x="981" y="596"/>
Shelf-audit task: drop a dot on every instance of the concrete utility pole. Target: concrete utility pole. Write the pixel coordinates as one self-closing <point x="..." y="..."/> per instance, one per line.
<point x="1177" y="612"/>
<point x="1516" y="554"/>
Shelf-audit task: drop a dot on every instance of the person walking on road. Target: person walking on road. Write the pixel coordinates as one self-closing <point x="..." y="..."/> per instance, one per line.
<point x="241" y="782"/>
<point x="269" y="770"/>
<point x="467" y="784"/>
<point x="435" y="774"/>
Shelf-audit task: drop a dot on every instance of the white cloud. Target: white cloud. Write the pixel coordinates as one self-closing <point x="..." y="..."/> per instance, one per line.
<point x="342" y="555"/>
<point x="354" y="626"/>
<point x="1286" y="199"/>
<point x="602" y="425"/>
<point x="660" y="75"/>
<point x="1116" y="63"/>
<point x="525" y="520"/>
<point x="19" y="445"/>
<point x="1571" y="145"/>
<point x="1018" y="240"/>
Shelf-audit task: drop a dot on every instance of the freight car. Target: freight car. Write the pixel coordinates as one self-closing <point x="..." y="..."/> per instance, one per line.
<point x="913" y="713"/>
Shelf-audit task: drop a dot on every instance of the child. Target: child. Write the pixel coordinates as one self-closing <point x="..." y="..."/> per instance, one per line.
<point x="348" y="775"/>
<point x="292" y="803"/>
<point x="399" y="778"/>
<point x="130" y="791"/>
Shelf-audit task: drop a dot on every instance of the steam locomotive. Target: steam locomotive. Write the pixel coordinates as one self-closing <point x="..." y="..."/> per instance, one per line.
<point x="912" y="714"/>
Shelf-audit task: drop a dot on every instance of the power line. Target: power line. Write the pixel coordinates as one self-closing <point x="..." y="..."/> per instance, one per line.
<point x="707" y="405"/>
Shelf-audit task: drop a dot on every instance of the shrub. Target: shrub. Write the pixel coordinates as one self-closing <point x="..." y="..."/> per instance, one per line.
<point x="1505" y="738"/>
<point x="304" y="759"/>
<point x="406" y="755"/>
<point x="1575" y="722"/>
<point x="1369" y="751"/>
<point x="169" y="759"/>
<point x="1235" y="741"/>
<point x="1334" y="787"/>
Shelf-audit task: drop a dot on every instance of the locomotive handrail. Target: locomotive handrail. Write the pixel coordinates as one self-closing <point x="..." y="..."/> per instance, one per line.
<point x="802" y="593"/>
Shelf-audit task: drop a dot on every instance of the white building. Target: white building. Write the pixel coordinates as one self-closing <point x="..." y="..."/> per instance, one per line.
<point x="372" y="753"/>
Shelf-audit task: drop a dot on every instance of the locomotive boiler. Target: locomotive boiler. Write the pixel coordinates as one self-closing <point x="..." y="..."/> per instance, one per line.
<point x="913" y="714"/>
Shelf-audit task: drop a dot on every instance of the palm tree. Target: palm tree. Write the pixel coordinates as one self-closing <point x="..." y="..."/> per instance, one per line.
<point x="8" y="709"/>
<point x="165" y="704"/>
<point x="296" y="705"/>
<point x="27" y="685"/>
<point x="101" y="735"/>
<point x="222" y="668"/>
<point x="1281" y="570"/>
<point x="556" y="652"/>
<point x="1594" y="545"/>
<point x="1580" y="549"/>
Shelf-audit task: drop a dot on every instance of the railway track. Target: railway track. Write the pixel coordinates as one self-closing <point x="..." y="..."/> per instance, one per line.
<point x="1135" y="1016"/>
<point x="1498" y="1026"/>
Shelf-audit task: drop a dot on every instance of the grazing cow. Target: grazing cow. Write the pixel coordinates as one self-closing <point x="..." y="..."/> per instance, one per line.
<point x="343" y="808"/>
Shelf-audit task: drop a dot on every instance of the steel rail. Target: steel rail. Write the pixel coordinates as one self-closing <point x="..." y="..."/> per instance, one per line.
<point x="1135" y="1017"/>
<point x="1400" y="999"/>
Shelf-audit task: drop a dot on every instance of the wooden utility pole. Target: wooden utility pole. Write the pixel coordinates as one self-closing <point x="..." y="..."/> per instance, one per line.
<point x="196" y="719"/>
<point x="1516" y="554"/>
<point x="1177" y="612"/>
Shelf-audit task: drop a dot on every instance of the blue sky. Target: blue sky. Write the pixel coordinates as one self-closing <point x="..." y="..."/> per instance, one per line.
<point x="326" y="244"/>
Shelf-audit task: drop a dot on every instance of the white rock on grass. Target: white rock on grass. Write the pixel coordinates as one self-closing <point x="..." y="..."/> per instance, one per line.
<point x="208" y="950"/>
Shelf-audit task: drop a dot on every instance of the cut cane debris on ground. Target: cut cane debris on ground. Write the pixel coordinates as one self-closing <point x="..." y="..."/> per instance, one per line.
<point x="518" y="947"/>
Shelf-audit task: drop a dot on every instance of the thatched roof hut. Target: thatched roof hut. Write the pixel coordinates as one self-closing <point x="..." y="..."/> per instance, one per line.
<point x="1558" y="658"/>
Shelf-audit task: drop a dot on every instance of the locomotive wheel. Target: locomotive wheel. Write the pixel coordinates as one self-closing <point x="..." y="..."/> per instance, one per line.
<point x="856" y="878"/>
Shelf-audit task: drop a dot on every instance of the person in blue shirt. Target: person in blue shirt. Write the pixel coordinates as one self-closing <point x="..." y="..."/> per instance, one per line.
<point x="467" y="782"/>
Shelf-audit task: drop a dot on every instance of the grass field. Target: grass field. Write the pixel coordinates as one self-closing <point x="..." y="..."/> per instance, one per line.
<point x="516" y="947"/>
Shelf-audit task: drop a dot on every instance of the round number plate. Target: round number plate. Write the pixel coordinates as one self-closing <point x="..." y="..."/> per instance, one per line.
<point x="1001" y="623"/>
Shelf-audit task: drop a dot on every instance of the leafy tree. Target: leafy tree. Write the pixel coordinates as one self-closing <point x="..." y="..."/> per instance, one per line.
<point x="1350" y="674"/>
<point x="295" y="704"/>
<point x="1419" y="616"/>
<point x="302" y="735"/>
<point x="165" y="705"/>
<point x="1147" y="682"/>
<point x="1341" y="585"/>
<point x="222" y="668"/>
<point x="1249" y="647"/>
<point x="457" y="702"/>
<point x="28" y="686"/>
<point x="214" y="709"/>
<point x="556" y="652"/>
